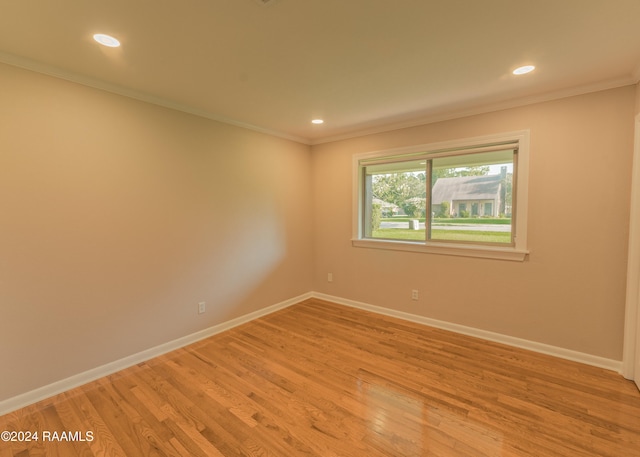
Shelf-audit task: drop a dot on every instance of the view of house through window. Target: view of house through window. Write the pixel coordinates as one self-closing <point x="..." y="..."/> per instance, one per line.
<point x="450" y="197"/>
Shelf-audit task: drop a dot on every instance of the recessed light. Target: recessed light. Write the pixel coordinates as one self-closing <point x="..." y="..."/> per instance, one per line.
<point x="106" y="40"/>
<point x="317" y="121"/>
<point x="524" y="70"/>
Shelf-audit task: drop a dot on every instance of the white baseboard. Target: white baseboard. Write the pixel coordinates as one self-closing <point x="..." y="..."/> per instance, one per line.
<point x="28" y="398"/>
<point x="41" y="393"/>
<point x="588" y="359"/>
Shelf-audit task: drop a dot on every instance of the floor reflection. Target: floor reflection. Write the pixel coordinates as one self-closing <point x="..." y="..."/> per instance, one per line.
<point x="405" y="422"/>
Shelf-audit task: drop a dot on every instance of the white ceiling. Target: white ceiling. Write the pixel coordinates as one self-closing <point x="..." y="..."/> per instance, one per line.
<point x="362" y="65"/>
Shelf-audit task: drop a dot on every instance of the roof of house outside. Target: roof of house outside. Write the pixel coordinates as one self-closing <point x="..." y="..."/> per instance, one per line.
<point x="466" y="188"/>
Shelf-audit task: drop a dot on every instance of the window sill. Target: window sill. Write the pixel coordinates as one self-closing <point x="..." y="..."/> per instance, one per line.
<point x="464" y="250"/>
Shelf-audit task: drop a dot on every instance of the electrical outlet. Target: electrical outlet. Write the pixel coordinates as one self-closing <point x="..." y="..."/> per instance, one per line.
<point x="202" y="307"/>
<point x="329" y="277"/>
<point x="414" y="294"/>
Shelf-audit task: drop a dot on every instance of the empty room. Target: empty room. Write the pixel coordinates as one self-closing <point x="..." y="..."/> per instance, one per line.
<point x="320" y="228"/>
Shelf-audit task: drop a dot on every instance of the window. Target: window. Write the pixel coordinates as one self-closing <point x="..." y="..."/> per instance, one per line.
<point x="459" y="198"/>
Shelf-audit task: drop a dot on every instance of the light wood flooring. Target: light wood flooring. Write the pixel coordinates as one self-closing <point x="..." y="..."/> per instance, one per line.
<point x="319" y="379"/>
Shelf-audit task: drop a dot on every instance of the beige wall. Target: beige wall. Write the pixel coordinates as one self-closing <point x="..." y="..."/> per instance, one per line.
<point x="117" y="217"/>
<point x="569" y="293"/>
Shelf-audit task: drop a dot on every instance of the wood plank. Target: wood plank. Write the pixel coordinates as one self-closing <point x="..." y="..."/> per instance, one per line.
<point x="321" y="379"/>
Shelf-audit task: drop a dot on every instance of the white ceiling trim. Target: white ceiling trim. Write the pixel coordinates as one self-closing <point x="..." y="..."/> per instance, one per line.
<point x="50" y="70"/>
<point x="56" y="72"/>
<point x="483" y="109"/>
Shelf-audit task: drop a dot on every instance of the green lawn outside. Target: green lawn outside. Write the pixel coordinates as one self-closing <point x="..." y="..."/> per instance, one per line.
<point x="400" y="234"/>
<point x="449" y="235"/>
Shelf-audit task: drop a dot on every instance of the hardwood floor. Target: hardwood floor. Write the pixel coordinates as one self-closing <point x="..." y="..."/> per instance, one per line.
<point x="319" y="379"/>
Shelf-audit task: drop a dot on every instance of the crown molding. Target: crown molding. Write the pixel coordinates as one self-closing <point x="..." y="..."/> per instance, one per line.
<point x="446" y="115"/>
<point x="442" y="115"/>
<point x="50" y="70"/>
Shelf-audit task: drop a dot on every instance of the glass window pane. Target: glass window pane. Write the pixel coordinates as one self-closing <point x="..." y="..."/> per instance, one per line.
<point x="395" y="201"/>
<point x="471" y="198"/>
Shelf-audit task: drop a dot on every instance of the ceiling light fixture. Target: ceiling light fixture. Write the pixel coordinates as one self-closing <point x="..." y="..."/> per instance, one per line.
<point x="524" y="70"/>
<point x="106" y="40"/>
<point x="317" y="121"/>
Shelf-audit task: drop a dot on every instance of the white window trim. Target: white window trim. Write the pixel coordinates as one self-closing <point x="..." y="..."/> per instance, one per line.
<point x="518" y="252"/>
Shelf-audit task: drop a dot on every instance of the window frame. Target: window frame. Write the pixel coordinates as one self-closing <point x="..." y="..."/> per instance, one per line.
<point x="518" y="251"/>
